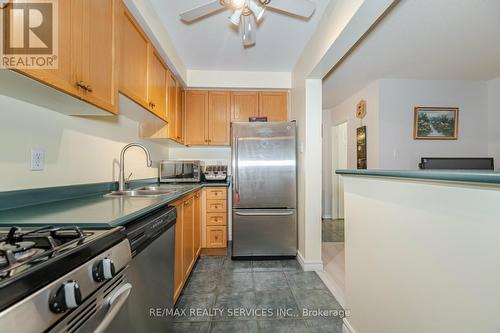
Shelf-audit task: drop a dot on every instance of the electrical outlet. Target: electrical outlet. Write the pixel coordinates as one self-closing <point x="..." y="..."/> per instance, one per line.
<point x="37" y="159"/>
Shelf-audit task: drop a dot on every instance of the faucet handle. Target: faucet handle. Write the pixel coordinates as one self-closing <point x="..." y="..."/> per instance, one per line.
<point x="128" y="178"/>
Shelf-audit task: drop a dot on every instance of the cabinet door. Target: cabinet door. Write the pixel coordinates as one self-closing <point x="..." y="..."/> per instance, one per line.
<point x="133" y="59"/>
<point x="273" y="105"/>
<point x="216" y="237"/>
<point x="244" y="104"/>
<point x="188" y="236"/>
<point x="172" y="104"/>
<point x="98" y="53"/>
<point x="219" y="117"/>
<point x="197" y="224"/>
<point x="157" y="85"/>
<point x="196" y="117"/>
<point x="61" y="78"/>
<point x="179" y="114"/>
<point x="178" y="266"/>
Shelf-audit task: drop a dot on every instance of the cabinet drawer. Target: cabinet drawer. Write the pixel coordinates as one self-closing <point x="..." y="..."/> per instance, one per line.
<point x="216" y="237"/>
<point x="216" y="206"/>
<point x="216" y="219"/>
<point x="216" y="194"/>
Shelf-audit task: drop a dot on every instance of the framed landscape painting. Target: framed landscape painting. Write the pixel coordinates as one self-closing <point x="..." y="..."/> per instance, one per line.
<point x="435" y="123"/>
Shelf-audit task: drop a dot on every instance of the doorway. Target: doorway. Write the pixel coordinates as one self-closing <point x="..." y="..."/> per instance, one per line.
<point x="333" y="254"/>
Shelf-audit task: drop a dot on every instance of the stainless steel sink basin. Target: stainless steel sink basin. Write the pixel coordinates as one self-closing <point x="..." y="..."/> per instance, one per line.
<point x="140" y="193"/>
<point x="147" y="191"/>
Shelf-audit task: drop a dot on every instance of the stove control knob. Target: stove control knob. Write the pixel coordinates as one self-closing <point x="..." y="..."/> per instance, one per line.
<point x="68" y="296"/>
<point x="103" y="270"/>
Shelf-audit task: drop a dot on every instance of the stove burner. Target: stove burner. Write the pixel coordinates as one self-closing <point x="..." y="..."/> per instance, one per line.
<point x="38" y="244"/>
<point x="16" y="247"/>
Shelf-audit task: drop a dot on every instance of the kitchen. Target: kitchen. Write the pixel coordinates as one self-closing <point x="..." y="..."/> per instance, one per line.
<point x="163" y="165"/>
<point x="144" y="200"/>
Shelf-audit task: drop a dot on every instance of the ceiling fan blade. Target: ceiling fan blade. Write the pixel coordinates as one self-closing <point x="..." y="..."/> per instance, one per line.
<point x="201" y="11"/>
<point x="302" y="8"/>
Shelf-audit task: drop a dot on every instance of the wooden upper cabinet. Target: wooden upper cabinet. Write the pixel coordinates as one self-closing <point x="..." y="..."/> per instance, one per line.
<point x="134" y="46"/>
<point x="172" y="105"/>
<point x="196" y="117"/>
<point x="274" y="105"/>
<point x="219" y="117"/>
<point x="244" y="104"/>
<point x="63" y="77"/>
<point x="97" y="62"/>
<point x="157" y="85"/>
<point x="179" y="114"/>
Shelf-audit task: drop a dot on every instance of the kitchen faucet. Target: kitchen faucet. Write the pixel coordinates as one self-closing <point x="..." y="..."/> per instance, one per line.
<point x="121" y="177"/>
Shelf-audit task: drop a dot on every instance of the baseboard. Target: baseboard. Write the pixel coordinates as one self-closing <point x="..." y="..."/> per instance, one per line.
<point x="346" y="327"/>
<point x="311" y="265"/>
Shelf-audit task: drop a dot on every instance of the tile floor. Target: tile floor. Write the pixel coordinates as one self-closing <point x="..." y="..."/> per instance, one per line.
<point x="242" y="287"/>
<point x="332" y="230"/>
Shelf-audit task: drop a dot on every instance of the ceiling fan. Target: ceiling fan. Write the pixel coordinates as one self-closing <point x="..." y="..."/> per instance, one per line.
<point x="243" y="10"/>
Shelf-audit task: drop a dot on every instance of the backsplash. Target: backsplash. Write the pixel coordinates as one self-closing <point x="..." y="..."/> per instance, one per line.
<point x="209" y="155"/>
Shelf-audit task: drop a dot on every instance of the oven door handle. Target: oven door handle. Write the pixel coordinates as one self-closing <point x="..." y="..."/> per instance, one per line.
<point x="114" y="304"/>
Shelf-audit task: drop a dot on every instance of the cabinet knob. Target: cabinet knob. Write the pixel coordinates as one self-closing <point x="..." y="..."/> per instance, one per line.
<point x="81" y="84"/>
<point x="89" y="88"/>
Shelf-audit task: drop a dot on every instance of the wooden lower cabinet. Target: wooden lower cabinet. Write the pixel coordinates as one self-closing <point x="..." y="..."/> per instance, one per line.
<point x="216" y="237"/>
<point x="216" y="218"/>
<point x="187" y="238"/>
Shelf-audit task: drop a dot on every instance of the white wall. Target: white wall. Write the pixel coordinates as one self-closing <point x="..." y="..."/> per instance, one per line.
<point x="389" y="120"/>
<point x="421" y="256"/>
<point x="238" y="79"/>
<point x="346" y="112"/>
<point x="398" y="98"/>
<point x="78" y="150"/>
<point x="306" y="110"/>
<point x="494" y="120"/>
<point x="212" y="155"/>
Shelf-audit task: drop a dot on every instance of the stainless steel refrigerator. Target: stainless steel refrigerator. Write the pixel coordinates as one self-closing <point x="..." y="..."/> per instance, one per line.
<point x="264" y="189"/>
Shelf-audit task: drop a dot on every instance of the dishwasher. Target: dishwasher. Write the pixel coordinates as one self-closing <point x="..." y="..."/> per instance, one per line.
<point x="151" y="272"/>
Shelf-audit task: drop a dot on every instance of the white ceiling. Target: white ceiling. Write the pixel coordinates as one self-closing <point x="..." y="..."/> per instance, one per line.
<point x="424" y="39"/>
<point x="213" y="44"/>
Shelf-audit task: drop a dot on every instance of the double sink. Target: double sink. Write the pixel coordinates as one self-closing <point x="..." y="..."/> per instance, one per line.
<point x="146" y="191"/>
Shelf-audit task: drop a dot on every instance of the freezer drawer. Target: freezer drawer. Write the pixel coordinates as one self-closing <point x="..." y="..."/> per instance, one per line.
<point x="264" y="232"/>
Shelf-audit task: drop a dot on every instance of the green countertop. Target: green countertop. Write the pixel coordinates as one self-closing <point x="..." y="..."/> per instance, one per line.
<point x="93" y="210"/>
<point x="464" y="176"/>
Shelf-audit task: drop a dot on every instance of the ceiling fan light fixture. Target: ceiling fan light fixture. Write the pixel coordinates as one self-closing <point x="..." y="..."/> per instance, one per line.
<point x="238" y="4"/>
<point x="236" y="17"/>
<point x="257" y="10"/>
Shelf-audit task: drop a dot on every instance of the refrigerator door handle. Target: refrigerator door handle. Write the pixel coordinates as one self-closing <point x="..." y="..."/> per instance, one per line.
<point x="265" y="213"/>
<point x="236" y="180"/>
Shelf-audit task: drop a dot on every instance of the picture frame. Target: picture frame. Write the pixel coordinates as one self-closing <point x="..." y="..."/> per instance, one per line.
<point x="435" y="123"/>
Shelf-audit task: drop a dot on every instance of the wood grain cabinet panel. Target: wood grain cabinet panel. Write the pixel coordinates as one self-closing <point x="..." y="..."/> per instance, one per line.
<point x="273" y="105"/>
<point x="216" y="193"/>
<point x="157" y="85"/>
<point x="179" y="114"/>
<point x="216" y="206"/>
<point x="98" y="53"/>
<point x="63" y="77"/>
<point x="178" y="255"/>
<point x="216" y="219"/>
<point x="219" y="117"/>
<point x="197" y="223"/>
<point x="134" y="56"/>
<point x="196" y="117"/>
<point x="188" y="216"/>
<point x="244" y="104"/>
<point x="216" y="237"/>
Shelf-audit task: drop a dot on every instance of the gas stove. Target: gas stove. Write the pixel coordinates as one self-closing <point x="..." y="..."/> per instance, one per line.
<point x="50" y="274"/>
